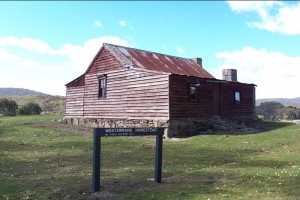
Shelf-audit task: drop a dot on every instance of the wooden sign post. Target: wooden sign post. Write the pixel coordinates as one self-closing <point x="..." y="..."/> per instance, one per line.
<point x="112" y="132"/>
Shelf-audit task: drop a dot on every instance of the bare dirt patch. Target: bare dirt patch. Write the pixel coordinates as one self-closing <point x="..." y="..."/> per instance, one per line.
<point x="59" y="126"/>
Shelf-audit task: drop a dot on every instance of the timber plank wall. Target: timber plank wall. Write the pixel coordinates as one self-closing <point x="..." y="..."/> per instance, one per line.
<point x="181" y="106"/>
<point x="129" y="93"/>
<point x="213" y="98"/>
<point x="74" y="98"/>
<point x="74" y="101"/>
<point x="247" y="104"/>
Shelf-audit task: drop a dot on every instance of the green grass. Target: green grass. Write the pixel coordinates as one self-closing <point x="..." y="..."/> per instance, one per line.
<point x="40" y="159"/>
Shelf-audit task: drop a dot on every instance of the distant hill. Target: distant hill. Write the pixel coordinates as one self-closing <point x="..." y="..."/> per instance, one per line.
<point x="284" y="101"/>
<point x="49" y="104"/>
<point x="4" y="92"/>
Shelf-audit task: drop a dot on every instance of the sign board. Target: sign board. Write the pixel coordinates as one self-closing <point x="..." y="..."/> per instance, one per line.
<point x="129" y="131"/>
<point x="112" y="132"/>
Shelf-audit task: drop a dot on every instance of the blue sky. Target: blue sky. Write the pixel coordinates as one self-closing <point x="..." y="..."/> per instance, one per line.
<point x="44" y="45"/>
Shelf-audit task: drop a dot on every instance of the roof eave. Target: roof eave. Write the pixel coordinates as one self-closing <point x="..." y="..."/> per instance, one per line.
<point x="76" y="79"/>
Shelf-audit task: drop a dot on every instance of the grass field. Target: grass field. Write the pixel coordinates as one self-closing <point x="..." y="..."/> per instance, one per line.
<point x="42" y="159"/>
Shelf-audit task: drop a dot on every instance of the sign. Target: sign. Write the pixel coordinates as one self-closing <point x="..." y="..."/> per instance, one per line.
<point x="111" y="132"/>
<point x="129" y="131"/>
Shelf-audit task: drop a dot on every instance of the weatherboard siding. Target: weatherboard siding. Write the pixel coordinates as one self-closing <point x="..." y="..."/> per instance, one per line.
<point x="74" y="101"/>
<point x="181" y="107"/>
<point x="213" y="98"/>
<point x="129" y="94"/>
<point x="245" y="107"/>
<point x="104" y="62"/>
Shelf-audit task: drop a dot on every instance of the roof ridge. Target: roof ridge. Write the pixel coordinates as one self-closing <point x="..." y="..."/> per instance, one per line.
<point x="119" y="55"/>
<point x="147" y="51"/>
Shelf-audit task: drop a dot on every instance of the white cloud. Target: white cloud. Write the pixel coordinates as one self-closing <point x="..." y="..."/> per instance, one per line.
<point x="41" y="83"/>
<point x="4" y="55"/>
<point x="30" y="64"/>
<point x="69" y="61"/>
<point x="97" y="23"/>
<point x="274" y="73"/>
<point x="180" y="50"/>
<point x="81" y="56"/>
<point x="275" y="16"/>
<point x="122" y="23"/>
<point x="241" y="6"/>
<point x="28" y="44"/>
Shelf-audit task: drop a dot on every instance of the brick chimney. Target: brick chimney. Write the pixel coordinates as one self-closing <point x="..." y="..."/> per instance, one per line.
<point x="229" y="74"/>
<point x="197" y="60"/>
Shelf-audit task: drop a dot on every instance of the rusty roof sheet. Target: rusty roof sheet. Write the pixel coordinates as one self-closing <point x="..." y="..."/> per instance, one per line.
<point x="137" y="58"/>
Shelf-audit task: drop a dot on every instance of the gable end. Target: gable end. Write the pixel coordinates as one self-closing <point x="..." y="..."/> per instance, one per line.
<point x="104" y="61"/>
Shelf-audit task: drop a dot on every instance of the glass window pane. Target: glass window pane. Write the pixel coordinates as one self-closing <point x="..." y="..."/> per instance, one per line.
<point x="102" y="92"/>
<point x="102" y="83"/>
<point x="193" y="93"/>
<point x="237" y="96"/>
<point x="102" y="86"/>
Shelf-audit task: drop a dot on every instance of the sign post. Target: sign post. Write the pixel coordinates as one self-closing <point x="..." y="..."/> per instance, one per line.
<point x="96" y="160"/>
<point x="158" y="158"/>
<point x="112" y="132"/>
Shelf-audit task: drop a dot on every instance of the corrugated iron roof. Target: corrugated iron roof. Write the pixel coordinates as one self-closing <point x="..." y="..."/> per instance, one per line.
<point x="137" y="58"/>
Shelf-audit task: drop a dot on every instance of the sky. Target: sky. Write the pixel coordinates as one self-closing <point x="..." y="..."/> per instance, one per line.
<point x="45" y="45"/>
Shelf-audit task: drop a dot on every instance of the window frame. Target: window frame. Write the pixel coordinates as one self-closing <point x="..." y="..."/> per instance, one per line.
<point x="102" y="90"/>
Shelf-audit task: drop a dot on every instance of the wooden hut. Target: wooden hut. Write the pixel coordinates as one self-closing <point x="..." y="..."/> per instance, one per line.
<point x="127" y="87"/>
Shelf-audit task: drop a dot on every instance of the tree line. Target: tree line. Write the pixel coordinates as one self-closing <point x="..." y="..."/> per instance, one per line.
<point x="276" y="111"/>
<point x="9" y="107"/>
<point x="32" y="105"/>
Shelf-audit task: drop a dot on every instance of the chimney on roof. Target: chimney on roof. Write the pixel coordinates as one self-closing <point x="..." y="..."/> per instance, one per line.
<point x="198" y="61"/>
<point x="229" y="74"/>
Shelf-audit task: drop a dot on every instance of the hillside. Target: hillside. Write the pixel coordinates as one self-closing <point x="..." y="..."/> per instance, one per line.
<point x="284" y="101"/>
<point x="49" y="104"/>
<point x="19" y="92"/>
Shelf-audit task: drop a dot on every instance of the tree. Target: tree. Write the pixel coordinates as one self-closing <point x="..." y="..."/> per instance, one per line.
<point x="290" y="112"/>
<point x="270" y="110"/>
<point x="8" y="107"/>
<point x="30" y="109"/>
<point x="276" y="111"/>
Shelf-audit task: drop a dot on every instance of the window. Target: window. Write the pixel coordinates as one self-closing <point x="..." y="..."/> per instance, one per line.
<point x="237" y="97"/>
<point x="102" y="86"/>
<point x="193" y="93"/>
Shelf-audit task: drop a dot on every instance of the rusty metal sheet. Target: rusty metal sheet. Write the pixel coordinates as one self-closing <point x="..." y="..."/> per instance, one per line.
<point x="160" y="62"/>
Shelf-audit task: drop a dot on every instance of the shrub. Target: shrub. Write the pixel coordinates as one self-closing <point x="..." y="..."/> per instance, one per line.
<point x="8" y="107"/>
<point x="30" y="109"/>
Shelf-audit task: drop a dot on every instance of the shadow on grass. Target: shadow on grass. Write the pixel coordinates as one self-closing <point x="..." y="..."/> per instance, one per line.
<point x="256" y="128"/>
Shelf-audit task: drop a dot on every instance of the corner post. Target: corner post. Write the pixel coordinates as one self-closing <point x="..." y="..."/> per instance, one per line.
<point x="96" y="160"/>
<point x="158" y="158"/>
